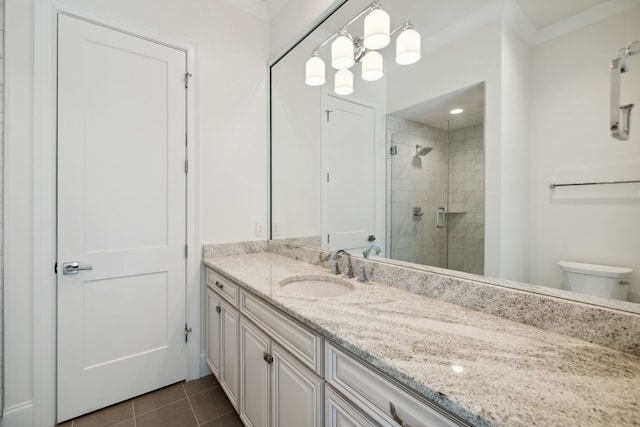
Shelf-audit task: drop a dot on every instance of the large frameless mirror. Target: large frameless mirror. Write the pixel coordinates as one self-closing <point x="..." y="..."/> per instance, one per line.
<point x="458" y="159"/>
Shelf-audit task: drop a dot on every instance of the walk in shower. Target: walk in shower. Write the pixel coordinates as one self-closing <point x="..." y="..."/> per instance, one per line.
<point x="435" y="185"/>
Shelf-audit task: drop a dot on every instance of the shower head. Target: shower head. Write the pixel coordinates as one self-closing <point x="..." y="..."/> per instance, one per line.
<point x="422" y="151"/>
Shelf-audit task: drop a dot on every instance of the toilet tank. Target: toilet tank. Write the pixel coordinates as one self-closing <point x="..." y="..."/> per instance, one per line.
<point x="600" y="280"/>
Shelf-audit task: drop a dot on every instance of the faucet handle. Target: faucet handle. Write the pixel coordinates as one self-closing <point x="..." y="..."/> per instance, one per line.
<point x="362" y="275"/>
<point x="349" y="272"/>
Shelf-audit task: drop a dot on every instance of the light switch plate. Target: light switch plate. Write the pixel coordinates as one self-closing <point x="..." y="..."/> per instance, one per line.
<point x="275" y="228"/>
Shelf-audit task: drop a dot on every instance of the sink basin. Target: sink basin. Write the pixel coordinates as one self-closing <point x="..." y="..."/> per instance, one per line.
<point x="316" y="286"/>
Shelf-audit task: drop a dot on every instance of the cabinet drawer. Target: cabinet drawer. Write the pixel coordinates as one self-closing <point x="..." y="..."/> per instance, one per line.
<point x="295" y="338"/>
<point x="376" y="395"/>
<point x="223" y="286"/>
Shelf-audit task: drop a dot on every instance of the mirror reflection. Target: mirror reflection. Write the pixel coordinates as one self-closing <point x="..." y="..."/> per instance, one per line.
<point x="391" y="163"/>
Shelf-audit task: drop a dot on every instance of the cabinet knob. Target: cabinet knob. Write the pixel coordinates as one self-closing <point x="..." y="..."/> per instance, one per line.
<point x="219" y="285"/>
<point x="218" y="309"/>
<point x="267" y="358"/>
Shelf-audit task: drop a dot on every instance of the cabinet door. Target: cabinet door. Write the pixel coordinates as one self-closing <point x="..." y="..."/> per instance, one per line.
<point x="229" y="363"/>
<point x="340" y="413"/>
<point x="296" y="392"/>
<point x="213" y="332"/>
<point x="254" y="375"/>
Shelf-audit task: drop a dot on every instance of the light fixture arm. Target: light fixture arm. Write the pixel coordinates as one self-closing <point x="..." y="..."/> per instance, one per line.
<point x="406" y="26"/>
<point x="372" y="6"/>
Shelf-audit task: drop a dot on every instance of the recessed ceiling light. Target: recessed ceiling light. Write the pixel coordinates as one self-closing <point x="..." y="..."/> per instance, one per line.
<point x="456" y="111"/>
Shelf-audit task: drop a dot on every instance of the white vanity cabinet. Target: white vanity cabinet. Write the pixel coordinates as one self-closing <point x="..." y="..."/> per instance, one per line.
<point x="279" y="373"/>
<point x="276" y="388"/>
<point x="223" y="327"/>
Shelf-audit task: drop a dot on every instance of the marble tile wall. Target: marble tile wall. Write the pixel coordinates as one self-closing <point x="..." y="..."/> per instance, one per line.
<point x="466" y="200"/>
<point x="416" y="182"/>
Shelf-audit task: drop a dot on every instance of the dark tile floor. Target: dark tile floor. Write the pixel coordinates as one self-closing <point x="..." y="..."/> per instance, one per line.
<point x="187" y="404"/>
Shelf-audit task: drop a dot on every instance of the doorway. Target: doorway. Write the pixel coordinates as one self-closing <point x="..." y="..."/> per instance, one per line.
<point x="121" y="238"/>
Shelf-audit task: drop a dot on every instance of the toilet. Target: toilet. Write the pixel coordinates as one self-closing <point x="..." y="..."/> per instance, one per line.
<point x="600" y="280"/>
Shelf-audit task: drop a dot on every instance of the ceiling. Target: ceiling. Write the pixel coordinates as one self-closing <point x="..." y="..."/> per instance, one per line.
<point x="542" y="13"/>
<point x="436" y="112"/>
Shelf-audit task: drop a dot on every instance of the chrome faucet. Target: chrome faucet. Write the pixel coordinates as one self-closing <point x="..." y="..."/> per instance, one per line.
<point x="375" y="248"/>
<point x="334" y="263"/>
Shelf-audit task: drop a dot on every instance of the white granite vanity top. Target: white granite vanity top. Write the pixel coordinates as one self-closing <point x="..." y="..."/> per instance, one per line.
<point x="486" y="369"/>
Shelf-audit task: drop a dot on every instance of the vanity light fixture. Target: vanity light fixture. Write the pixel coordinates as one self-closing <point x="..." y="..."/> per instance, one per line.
<point x="344" y="82"/>
<point x="456" y="111"/>
<point x="347" y="50"/>
<point x="315" y="70"/>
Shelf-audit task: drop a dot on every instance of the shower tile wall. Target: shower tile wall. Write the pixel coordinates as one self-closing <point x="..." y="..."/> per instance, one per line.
<point x="451" y="176"/>
<point x="410" y="238"/>
<point x="466" y="200"/>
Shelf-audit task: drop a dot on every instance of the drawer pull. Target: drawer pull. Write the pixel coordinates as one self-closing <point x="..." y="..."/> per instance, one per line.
<point x="267" y="358"/>
<point x="219" y="285"/>
<point x="395" y="416"/>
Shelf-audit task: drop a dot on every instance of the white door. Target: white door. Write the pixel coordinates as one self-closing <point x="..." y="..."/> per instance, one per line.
<point x="121" y="210"/>
<point x="349" y="141"/>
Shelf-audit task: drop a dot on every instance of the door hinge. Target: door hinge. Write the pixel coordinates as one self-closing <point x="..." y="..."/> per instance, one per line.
<point x="186" y="166"/>
<point x="187" y="76"/>
<point x="186" y="251"/>
<point x="187" y="331"/>
<point x="327" y="177"/>
<point x="328" y="112"/>
<point x="328" y="239"/>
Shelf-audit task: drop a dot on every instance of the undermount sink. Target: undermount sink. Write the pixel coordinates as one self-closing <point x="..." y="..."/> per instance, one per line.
<point x="317" y="286"/>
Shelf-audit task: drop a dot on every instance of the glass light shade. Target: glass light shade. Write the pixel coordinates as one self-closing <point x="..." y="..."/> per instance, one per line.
<point x="315" y="71"/>
<point x="342" y="53"/>
<point x="344" y="82"/>
<point x="376" y="29"/>
<point x="372" y="66"/>
<point x="408" y="47"/>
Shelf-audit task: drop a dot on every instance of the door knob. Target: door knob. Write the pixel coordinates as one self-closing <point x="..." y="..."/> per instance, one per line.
<point x="74" y="267"/>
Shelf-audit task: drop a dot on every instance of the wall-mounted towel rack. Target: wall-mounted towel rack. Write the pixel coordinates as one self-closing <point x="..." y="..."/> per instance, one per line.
<point x="552" y="186"/>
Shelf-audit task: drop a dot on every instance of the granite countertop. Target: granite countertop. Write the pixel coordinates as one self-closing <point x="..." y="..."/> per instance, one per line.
<point x="488" y="370"/>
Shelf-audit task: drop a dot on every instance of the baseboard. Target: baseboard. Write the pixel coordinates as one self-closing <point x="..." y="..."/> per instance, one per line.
<point x="204" y="367"/>
<point x="18" y="415"/>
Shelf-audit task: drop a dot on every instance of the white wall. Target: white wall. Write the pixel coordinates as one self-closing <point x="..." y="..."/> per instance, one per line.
<point x="232" y="73"/>
<point x="514" y="157"/>
<point x="293" y="21"/>
<point x="296" y="143"/>
<point x="570" y="141"/>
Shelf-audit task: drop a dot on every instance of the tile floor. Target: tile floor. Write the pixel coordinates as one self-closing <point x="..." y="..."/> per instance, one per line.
<point x="187" y="404"/>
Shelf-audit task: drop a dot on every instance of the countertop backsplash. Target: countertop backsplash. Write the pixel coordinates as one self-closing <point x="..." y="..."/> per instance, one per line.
<point x="611" y="328"/>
